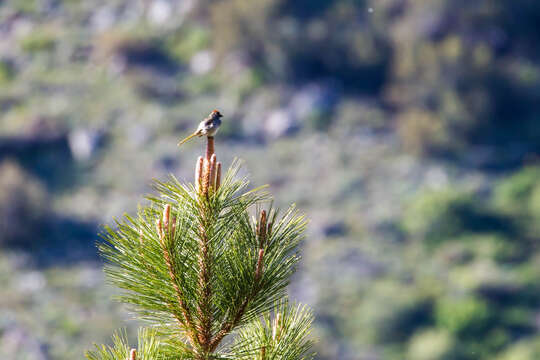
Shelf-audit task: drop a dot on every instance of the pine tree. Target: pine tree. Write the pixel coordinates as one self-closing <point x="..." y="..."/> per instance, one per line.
<point x="206" y="266"/>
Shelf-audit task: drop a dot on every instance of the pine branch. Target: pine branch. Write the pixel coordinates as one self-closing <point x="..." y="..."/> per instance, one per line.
<point x="262" y="231"/>
<point x="205" y="291"/>
<point x="204" y="306"/>
<point x="166" y="229"/>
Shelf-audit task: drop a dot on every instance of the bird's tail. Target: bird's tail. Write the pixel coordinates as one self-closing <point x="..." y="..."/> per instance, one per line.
<point x="189" y="137"/>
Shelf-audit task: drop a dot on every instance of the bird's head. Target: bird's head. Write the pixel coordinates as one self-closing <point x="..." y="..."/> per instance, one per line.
<point x="216" y="113"/>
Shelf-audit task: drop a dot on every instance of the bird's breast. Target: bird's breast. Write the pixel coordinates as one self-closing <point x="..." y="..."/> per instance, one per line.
<point x="212" y="131"/>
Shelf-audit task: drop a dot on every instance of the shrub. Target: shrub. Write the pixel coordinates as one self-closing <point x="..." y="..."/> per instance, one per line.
<point x="23" y="205"/>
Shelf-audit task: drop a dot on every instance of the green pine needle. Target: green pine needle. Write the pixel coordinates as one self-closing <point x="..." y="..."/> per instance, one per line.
<point x="282" y="334"/>
<point x="149" y="348"/>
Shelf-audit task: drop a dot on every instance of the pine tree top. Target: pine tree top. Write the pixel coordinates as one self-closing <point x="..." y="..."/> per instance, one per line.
<point x="203" y="261"/>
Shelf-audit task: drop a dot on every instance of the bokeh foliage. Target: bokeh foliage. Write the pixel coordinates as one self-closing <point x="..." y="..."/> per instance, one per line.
<point x="420" y="119"/>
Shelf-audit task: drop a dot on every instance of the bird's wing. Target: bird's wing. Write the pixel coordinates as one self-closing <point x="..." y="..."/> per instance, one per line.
<point x="208" y="122"/>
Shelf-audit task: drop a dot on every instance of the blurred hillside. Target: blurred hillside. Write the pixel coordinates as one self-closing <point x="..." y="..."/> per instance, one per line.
<point x="407" y="130"/>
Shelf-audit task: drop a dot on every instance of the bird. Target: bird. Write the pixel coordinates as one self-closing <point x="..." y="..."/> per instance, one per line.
<point x="209" y="126"/>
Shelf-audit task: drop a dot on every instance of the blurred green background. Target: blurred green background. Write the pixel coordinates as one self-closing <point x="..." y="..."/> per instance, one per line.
<point x="407" y="130"/>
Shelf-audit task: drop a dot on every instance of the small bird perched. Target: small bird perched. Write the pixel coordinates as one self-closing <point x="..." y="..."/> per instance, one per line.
<point x="209" y="126"/>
